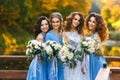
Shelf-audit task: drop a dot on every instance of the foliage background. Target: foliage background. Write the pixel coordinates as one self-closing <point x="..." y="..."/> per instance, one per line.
<point x="17" y="18"/>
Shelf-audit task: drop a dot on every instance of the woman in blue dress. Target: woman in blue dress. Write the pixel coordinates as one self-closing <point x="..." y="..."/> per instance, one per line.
<point x="37" y="70"/>
<point x="97" y="28"/>
<point x="55" y="69"/>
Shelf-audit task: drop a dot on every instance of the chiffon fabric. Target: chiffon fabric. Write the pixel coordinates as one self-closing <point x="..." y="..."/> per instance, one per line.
<point x="37" y="70"/>
<point x="96" y="62"/>
<point x="55" y="70"/>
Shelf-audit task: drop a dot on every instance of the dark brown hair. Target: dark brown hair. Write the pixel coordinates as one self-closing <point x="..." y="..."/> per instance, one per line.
<point x="37" y="27"/>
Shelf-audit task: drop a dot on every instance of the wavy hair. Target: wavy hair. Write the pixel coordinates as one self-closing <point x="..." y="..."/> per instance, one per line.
<point x="69" y="19"/>
<point x="101" y="27"/>
<point x="37" y="27"/>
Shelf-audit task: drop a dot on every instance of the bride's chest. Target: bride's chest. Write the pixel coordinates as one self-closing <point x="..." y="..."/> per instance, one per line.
<point x="74" y="37"/>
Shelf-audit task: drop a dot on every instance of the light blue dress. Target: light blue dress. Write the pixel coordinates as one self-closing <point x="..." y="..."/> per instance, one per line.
<point x="37" y="70"/>
<point x="54" y="69"/>
<point x="96" y="62"/>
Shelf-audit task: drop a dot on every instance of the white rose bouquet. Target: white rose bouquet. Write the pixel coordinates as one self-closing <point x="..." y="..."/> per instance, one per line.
<point x="34" y="48"/>
<point x="52" y="49"/>
<point x="90" y="45"/>
<point x="66" y="55"/>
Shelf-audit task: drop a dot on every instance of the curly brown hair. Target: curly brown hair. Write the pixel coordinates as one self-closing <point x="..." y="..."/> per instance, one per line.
<point x="68" y="22"/>
<point x="101" y="27"/>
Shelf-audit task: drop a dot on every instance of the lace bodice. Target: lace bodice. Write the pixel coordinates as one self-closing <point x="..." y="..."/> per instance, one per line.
<point x="74" y="36"/>
<point x="73" y="40"/>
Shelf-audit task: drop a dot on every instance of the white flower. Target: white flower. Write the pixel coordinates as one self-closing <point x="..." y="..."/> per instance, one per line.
<point x="28" y="51"/>
<point x="36" y="46"/>
<point x="43" y="45"/>
<point x="85" y="43"/>
<point x="97" y="46"/>
<point x="88" y="38"/>
<point x="48" y="42"/>
<point x="70" y="56"/>
<point x="91" y="43"/>
<point x="53" y="43"/>
<point x="91" y="50"/>
<point x="49" y="50"/>
<point x="57" y="47"/>
<point x="63" y="53"/>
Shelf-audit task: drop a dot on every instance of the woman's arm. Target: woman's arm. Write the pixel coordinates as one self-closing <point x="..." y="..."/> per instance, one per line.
<point x="99" y="40"/>
<point x="64" y="36"/>
<point x="40" y="37"/>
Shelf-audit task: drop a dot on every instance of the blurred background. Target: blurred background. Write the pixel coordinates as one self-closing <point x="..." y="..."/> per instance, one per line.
<point x="17" y="19"/>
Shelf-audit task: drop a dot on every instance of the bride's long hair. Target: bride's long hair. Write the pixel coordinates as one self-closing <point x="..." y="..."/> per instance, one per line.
<point x="69" y="19"/>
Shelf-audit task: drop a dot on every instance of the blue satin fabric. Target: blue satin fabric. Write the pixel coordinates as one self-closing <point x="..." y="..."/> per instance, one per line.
<point x="96" y="62"/>
<point x="54" y="69"/>
<point x="37" y="70"/>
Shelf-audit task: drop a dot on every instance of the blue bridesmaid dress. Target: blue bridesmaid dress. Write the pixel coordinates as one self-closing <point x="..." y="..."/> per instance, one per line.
<point x="54" y="69"/>
<point x="96" y="62"/>
<point x="37" y="70"/>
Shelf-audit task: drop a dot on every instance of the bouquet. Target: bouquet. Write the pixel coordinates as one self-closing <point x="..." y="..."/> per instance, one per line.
<point x="90" y="45"/>
<point x="52" y="49"/>
<point x="78" y="55"/>
<point x="67" y="57"/>
<point x="66" y="54"/>
<point x="34" y="48"/>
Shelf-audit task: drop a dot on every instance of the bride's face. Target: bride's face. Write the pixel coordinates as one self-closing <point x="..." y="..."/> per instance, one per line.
<point x="76" y="21"/>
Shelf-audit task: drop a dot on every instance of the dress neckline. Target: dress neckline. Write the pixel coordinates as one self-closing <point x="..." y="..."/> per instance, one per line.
<point x="57" y="38"/>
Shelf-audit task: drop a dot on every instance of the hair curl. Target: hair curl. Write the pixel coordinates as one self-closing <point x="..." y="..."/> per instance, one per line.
<point x="37" y="27"/>
<point x="69" y="19"/>
<point x="101" y="27"/>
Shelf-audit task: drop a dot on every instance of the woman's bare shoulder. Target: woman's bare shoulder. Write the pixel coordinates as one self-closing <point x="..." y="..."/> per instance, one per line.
<point x="40" y="37"/>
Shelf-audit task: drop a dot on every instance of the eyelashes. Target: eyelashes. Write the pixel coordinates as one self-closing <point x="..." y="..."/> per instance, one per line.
<point x="76" y="19"/>
<point x="44" y="24"/>
<point x="92" y="21"/>
<point x="55" y="21"/>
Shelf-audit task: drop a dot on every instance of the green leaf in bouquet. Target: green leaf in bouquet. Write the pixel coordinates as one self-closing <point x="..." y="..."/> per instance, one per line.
<point x="79" y="55"/>
<point x="72" y="64"/>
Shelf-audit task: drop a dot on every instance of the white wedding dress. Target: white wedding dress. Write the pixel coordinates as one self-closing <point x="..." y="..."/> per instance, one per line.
<point x="76" y="73"/>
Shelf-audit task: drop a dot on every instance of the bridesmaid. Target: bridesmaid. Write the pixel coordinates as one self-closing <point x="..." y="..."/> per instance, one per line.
<point x="37" y="70"/>
<point x="55" y="69"/>
<point x="97" y="28"/>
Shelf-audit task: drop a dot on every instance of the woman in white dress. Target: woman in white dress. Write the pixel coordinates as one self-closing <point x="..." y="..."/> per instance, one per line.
<point x="73" y="31"/>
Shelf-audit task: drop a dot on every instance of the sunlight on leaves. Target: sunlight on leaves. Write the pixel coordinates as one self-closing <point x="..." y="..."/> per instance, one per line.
<point x="9" y="40"/>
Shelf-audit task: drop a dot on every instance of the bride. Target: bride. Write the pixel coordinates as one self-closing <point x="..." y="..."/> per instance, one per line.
<point x="73" y="32"/>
